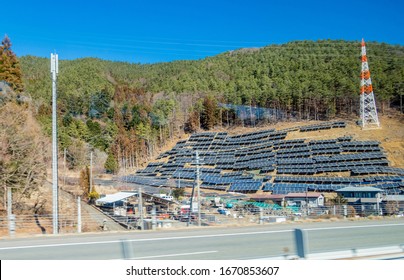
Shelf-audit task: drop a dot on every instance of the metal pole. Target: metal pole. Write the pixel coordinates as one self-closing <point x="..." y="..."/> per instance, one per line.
<point x="79" y="214"/>
<point x="307" y="204"/>
<point x="9" y="202"/>
<point x="91" y="172"/>
<point x="11" y="217"/>
<point x="199" y="188"/>
<point x="55" y="203"/>
<point x="154" y="218"/>
<point x="141" y="208"/>
<point x="261" y="220"/>
<point x="64" y="167"/>
<point x="190" y="205"/>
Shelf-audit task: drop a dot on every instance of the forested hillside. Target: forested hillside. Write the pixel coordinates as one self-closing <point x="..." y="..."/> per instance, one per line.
<point x="128" y="110"/>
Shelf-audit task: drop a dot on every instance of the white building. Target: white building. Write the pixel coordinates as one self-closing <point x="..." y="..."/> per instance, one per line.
<point x="312" y="199"/>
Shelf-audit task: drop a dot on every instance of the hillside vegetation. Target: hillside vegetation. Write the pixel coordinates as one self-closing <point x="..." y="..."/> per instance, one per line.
<point x="127" y="111"/>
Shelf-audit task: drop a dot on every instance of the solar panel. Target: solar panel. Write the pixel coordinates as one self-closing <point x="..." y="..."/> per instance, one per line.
<point x="267" y="151"/>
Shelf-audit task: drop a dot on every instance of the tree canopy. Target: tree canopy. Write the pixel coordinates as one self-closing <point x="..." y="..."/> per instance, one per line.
<point x="128" y="110"/>
<point x="9" y="66"/>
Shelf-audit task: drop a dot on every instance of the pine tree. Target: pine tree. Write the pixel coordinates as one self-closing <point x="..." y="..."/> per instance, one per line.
<point x="192" y="123"/>
<point x="111" y="165"/>
<point x="10" y="70"/>
<point x="84" y="181"/>
<point x="210" y="111"/>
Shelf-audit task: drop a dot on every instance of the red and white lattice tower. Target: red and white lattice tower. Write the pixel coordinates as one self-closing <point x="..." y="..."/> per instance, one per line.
<point x="368" y="111"/>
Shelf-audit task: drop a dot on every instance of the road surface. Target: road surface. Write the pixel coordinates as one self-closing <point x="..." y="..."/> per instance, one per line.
<point x="207" y="243"/>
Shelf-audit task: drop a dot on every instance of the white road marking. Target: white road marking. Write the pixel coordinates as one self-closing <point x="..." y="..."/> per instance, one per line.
<point x="351" y="227"/>
<point x="187" y="237"/>
<point x="144" y="240"/>
<point x="175" y="255"/>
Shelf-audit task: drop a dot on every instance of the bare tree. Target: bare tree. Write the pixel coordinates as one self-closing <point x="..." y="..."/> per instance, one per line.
<point x="22" y="152"/>
<point x="392" y="207"/>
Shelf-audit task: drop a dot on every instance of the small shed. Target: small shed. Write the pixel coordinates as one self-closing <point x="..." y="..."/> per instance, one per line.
<point x="313" y="199"/>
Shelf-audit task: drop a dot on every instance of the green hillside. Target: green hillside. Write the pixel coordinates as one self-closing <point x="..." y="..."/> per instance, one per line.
<point x="128" y="110"/>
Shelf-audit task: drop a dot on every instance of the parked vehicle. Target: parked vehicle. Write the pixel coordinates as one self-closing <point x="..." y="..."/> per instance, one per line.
<point x="185" y="218"/>
<point x="229" y="205"/>
<point x="166" y="197"/>
<point x="223" y="211"/>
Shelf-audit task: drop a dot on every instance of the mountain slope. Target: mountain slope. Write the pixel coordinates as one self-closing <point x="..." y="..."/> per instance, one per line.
<point x="129" y="110"/>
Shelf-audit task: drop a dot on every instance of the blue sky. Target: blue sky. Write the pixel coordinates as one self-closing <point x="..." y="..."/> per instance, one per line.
<point x="150" y="31"/>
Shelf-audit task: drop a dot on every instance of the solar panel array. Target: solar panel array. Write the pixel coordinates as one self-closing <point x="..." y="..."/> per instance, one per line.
<point x="228" y="162"/>
<point x="326" y="125"/>
<point x="286" y="184"/>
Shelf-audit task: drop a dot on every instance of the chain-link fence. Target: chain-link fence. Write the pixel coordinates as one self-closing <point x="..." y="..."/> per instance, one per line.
<point x="93" y="219"/>
<point x="42" y="224"/>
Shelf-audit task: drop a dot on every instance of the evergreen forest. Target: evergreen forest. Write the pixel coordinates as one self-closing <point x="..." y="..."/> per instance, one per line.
<point x="127" y="111"/>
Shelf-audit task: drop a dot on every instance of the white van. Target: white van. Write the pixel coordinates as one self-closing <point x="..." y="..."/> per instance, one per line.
<point x="166" y="197"/>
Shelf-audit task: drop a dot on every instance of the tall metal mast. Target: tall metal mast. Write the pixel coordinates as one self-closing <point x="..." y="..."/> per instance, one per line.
<point x="368" y="111"/>
<point x="55" y="202"/>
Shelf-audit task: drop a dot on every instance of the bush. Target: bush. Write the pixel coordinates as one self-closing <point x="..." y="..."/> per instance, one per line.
<point x="93" y="196"/>
<point x="111" y="165"/>
<point x="178" y="192"/>
<point x="351" y="212"/>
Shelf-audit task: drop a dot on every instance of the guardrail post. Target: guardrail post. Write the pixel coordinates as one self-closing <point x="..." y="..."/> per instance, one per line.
<point x="127" y="249"/>
<point x="301" y="243"/>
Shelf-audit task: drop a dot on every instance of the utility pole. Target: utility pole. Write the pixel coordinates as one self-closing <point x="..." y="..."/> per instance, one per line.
<point x="55" y="202"/>
<point x="154" y="218"/>
<point x="64" y="167"/>
<point x="198" y="188"/>
<point x="79" y="214"/>
<point x="307" y="204"/>
<point x="198" y="195"/>
<point x="91" y="172"/>
<point x="191" y="202"/>
<point x="140" y="203"/>
<point x="11" y="216"/>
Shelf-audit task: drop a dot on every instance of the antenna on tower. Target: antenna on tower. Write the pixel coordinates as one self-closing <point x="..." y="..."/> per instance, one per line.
<point x="368" y="111"/>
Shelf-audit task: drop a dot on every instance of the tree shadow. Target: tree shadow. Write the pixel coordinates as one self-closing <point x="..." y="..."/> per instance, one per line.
<point x="43" y="230"/>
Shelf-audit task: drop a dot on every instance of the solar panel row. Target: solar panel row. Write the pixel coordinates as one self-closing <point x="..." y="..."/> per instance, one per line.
<point x="376" y="170"/>
<point x="285" y="188"/>
<point x="267" y="151"/>
<point x="322" y="126"/>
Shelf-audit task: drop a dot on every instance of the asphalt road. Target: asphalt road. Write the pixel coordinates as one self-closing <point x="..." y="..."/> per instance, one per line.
<point x="207" y="243"/>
